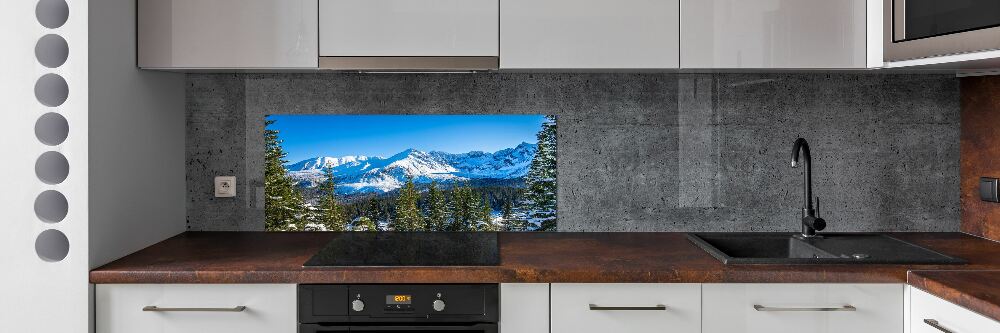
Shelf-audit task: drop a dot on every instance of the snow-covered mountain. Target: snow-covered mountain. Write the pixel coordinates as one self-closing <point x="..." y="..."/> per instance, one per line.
<point x="364" y="174"/>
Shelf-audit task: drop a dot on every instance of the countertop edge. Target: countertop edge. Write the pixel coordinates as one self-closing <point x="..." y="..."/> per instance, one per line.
<point x="936" y="282"/>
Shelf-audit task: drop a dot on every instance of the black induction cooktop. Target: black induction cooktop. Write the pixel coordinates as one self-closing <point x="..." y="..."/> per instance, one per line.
<point x="409" y="249"/>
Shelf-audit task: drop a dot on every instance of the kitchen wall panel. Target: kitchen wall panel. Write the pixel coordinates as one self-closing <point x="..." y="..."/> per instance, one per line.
<point x="637" y="152"/>
<point x="980" y="150"/>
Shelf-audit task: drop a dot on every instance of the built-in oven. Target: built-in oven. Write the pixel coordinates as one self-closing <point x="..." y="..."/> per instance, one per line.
<point x="377" y="308"/>
<point x="916" y="29"/>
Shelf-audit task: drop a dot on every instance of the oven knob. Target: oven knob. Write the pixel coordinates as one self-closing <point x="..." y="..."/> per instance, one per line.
<point x="358" y="305"/>
<point x="438" y="305"/>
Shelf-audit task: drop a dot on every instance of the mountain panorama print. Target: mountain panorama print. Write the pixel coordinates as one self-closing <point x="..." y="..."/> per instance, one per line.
<point x="410" y="173"/>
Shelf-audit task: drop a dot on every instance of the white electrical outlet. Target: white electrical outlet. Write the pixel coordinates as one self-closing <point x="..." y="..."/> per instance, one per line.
<point x="225" y="186"/>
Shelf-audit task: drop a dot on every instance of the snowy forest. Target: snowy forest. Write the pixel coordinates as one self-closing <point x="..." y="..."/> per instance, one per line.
<point x="512" y="189"/>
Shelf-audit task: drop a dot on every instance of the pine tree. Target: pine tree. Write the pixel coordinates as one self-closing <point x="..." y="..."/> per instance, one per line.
<point x="507" y="216"/>
<point x="371" y="214"/>
<point x="408" y="216"/>
<point x="540" y="197"/>
<point x="437" y="209"/>
<point x="463" y="209"/>
<point x="311" y="219"/>
<point x="485" y="215"/>
<point x="331" y="214"/>
<point x="365" y="224"/>
<point x="510" y="220"/>
<point x="284" y="208"/>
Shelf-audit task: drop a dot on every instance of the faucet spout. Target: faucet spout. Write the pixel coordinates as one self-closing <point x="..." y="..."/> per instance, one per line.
<point x="802" y="146"/>
<point x="810" y="222"/>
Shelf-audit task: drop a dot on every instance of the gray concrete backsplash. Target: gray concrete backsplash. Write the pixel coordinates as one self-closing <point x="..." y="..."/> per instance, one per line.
<point x="637" y="152"/>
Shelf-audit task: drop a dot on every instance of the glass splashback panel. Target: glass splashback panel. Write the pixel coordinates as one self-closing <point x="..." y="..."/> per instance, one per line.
<point x="455" y="173"/>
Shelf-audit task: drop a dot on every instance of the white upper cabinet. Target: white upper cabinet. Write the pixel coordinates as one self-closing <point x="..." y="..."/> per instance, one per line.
<point x="409" y="28"/>
<point x="195" y="34"/>
<point x="589" y="34"/>
<point x="511" y="34"/>
<point x="780" y="34"/>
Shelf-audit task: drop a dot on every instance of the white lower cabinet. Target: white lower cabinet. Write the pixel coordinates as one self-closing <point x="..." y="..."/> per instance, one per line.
<point x="187" y="308"/>
<point x="803" y="308"/>
<point x="569" y="308"/>
<point x="930" y="314"/>
<point x="627" y="307"/>
<point x="524" y="307"/>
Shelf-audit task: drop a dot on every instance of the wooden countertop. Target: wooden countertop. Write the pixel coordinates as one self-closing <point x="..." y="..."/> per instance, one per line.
<point x="978" y="291"/>
<point x="259" y="257"/>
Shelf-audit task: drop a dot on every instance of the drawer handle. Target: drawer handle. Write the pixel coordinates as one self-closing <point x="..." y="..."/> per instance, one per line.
<point x="159" y="309"/>
<point x="934" y="323"/>
<point x="595" y="307"/>
<point x="769" y="308"/>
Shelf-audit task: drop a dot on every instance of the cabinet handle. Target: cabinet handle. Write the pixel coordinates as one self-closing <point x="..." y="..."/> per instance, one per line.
<point x="934" y="323"/>
<point x="768" y="308"/>
<point x="596" y="307"/>
<point x="159" y="309"/>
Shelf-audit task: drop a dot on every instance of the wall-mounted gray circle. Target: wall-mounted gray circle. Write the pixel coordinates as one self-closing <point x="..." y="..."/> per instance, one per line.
<point x="51" y="51"/>
<point x="51" y="90"/>
<point x="52" y="245"/>
<point x="51" y="206"/>
<point x="52" y="168"/>
<point x="52" y="13"/>
<point x="51" y="128"/>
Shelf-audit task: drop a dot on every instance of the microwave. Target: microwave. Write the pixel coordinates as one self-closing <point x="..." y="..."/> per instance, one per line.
<point x="915" y="29"/>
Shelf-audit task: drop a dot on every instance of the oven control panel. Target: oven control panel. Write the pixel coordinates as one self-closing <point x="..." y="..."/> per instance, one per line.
<point x="399" y="303"/>
<point x="379" y="303"/>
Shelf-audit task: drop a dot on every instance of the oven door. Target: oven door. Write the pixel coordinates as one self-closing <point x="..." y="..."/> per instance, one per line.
<point x="916" y="29"/>
<point x="471" y="328"/>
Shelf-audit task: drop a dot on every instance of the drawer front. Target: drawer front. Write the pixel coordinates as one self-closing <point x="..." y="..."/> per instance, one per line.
<point x="633" y="308"/>
<point x="803" y="308"/>
<point x="269" y="308"/>
<point x="946" y="315"/>
<point x="363" y="28"/>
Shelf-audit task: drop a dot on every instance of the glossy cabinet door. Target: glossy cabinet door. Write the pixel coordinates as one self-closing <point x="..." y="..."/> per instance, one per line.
<point x="774" y="34"/>
<point x="426" y="28"/>
<point x="589" y="34"/>
<point x="626" y="307"/>
<point x="188" y="308"/>
<point x="524" y="307"/>
<point x="930" y="314"/>
<point x="803" y="308"/>
<point x="227" y="34"/>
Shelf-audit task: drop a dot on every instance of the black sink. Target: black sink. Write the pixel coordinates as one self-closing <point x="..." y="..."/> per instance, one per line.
<point x="836" y="248"/>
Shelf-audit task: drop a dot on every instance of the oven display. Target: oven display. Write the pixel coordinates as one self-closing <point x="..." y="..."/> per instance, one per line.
<point x="398" y="299"/>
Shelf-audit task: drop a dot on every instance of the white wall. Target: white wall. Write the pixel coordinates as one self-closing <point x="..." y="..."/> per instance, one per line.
<point x="137" y="131"/>
<point x="137" y="186"/>
<point x="38" y="295"/>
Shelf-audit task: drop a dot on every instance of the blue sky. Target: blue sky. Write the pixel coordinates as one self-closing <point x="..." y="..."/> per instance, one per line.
<point x="307" y="136"/>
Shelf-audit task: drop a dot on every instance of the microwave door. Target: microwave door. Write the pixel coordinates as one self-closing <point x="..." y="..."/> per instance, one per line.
<point x="915" y="29"/>
<point x="917" y="19"/>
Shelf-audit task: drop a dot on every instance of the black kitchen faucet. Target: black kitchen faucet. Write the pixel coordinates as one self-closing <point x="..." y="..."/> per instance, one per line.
<point x="810" y="221"/>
